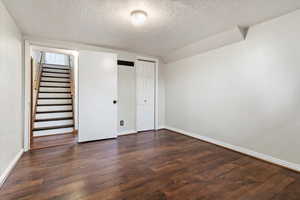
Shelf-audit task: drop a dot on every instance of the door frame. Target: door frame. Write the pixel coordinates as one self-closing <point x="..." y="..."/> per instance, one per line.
<point x="27" y="90"/>
<point x="156" y="102"/>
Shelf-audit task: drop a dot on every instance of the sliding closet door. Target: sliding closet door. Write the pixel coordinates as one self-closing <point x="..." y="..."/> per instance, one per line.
<point x="97" y="96"/>
<point x="145" y="84"/>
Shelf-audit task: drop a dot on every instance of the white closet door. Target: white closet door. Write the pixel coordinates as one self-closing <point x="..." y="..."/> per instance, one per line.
<point x="145" y="84"/>
<point x="97" y="91"/>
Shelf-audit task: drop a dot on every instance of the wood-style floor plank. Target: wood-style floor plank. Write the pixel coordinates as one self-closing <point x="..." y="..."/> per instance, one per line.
<point x="159" y="165"/>
<point x="53" y="140"/>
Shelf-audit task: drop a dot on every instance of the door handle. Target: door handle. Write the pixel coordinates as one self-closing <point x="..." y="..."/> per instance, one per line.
<point x="115" y="102"/>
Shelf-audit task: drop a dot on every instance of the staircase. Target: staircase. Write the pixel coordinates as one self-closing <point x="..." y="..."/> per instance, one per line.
<point x="53" y="109"/>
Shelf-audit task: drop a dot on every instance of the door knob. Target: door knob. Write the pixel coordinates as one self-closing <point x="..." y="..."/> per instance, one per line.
<point x="115" y="101"/>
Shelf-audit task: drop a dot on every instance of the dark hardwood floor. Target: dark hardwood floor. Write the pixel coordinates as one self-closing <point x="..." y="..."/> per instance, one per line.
<point x="147" y="166"/>
<point x="53" y="140"/>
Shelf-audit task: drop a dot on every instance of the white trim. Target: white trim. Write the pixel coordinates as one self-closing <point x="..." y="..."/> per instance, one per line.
<point x="10" y="167"/>
<point x="156" y="96"/>
<point x="29" y="45"/>
<point x="27" y="96"/>
<point x="127" y="132"/>
<point x="292" y="166"/>
<point x="161" y="127"/>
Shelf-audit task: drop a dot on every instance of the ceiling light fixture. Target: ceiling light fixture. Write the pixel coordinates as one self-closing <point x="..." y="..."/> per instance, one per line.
<point x="138" y="17"/>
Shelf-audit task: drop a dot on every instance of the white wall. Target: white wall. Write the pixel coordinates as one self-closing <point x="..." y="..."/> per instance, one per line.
<point x="122" y="55"/>
<point x="161" y="95"/>
<point x="126" y="99"/>
<point x="11" y="137"/>
<point x="246" y="94"/>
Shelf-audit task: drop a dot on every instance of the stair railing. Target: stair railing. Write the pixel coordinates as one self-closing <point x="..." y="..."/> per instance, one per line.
<point x="72" y="88"/>
<point x="71" y="78"/>
<point x="37" y="83"/>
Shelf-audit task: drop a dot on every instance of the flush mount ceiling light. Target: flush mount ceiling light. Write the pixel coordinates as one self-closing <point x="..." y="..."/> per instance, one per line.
<point x="138" y="17"/>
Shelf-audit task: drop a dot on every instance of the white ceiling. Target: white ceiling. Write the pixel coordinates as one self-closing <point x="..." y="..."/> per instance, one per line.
<point x="172" y="24"/>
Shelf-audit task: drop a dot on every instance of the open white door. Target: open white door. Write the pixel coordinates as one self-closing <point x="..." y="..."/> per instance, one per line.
<point x="97" y="111"/>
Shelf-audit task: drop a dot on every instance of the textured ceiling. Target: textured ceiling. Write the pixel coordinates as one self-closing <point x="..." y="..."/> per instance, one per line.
<point x="172" y="24"/>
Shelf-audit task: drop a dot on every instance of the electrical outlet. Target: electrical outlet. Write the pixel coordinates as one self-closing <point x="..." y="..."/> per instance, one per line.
<point x="122" y="123"/>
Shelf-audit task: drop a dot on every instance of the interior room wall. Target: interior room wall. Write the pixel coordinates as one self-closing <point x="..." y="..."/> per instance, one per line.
<point x="11" y="135"/>
<point x="161" y="95"/>
<point x="246" y="94"/>
<point x="122" y="55"/>
<point x="126" y="99"/>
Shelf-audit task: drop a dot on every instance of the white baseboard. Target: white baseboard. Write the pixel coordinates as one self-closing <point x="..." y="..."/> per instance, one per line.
<point x="10" y="167"/>
<point x="127" y="132"/>
<point x="292" y="166"/>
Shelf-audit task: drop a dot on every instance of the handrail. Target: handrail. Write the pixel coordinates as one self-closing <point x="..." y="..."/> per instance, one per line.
<point x="37" y="83"/>
<point x="36" y="88"/>
<point x="72" y="88"/>
<point x="38" y="74"/>
<point x="71" y="78"/>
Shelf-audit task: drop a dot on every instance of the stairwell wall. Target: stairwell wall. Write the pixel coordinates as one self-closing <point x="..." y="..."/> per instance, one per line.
<point x="11" y="135"/>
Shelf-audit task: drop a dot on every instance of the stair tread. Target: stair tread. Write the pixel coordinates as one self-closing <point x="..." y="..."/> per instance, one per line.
<point x="54" y="86"/>
<point x="55" y="81"/>
<point x="57" y="104"/>
<point x="45" y="71"/>
<point x="54" y="98"/>
<point x="53" y="92"/>
<point x="54" y="119"/>
<point x="46" y="76"/>
<point x="56" y="68"/>
<point x="56" y="65"/>
<point x="53" y="127"/>
<point x="53" y="111"/>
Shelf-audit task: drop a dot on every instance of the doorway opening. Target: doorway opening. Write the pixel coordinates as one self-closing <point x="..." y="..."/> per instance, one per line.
<point x="53" y="98"/>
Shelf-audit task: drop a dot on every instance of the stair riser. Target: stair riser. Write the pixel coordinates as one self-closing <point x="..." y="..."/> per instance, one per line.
<point x="52" y="123"/>
<point x="58" y="75"/>
<point x="45" y="89"/>
<point x="54" y="101"/>
<point x="52" y="132"/>
<point x="54" y="95"/>
<point x="50" y="108"/>
<point x="57" y="66"/>
<point x="53" y="115"/>
<point x="55" y="79"/>
<point x="55" y="84"/>
<point x="64" y="75"/>
<point x="57" y="70"/>
<point x="52" y="72"/>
